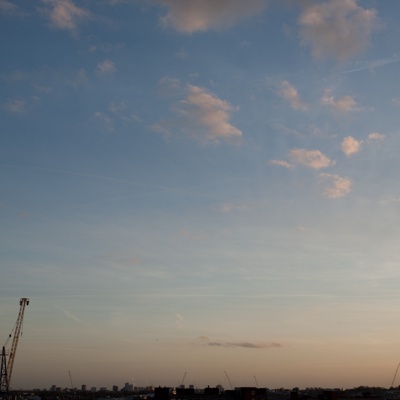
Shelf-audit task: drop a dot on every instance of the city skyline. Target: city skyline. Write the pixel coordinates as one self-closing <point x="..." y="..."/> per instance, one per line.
<point x="201" y="186"/>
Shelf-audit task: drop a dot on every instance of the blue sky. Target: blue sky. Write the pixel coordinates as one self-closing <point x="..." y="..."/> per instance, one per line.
<point x="201" y="186"/>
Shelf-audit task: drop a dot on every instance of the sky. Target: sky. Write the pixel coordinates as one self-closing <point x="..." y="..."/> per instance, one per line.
<point x="200" y="186"/>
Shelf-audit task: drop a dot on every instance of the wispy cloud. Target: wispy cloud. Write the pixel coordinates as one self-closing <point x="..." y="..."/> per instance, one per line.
<point x="337" y="29"/>
<point x="73" y="317"/>
<point x="15" y="105"/>
<point x="334" y="186"/>
<point x="106" y="67"/>
<point x="247" y="345"/>
<point x="123" y="111"/>
<point x="105" y="120"/>
<point x="350" y="146"/>
<point x="193" y="16"/>
<point x="345" y="104"/>
<point x="281" y="163"/>
<point x="375" y="137"/>
<point x="289" y="93"/>
<point x="310" y="158"/>
<point x="168" y="85"/>
<point x="10" y="9"/>
<point x="228" y="207"/>
<point x="64" y="14"/>
<point x="191" y="235"/>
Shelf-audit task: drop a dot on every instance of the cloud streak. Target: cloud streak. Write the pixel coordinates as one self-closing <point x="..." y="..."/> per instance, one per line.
<point x="246" y="345"/>
<point x="314" y="159"/>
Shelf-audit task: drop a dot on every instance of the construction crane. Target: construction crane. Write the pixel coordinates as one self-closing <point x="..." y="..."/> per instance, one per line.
<point x="183" y="379"/>
<point x="395" y="374"/>
<point x="70" y="379"/>
<point x="227" y="377"/>
<point x="255" y="380"/>
<point x="8" y="364"/>
<point x="3" y="375"/>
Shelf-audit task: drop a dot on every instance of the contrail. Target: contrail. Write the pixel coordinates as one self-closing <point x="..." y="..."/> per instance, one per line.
<point x="372" y="65"/>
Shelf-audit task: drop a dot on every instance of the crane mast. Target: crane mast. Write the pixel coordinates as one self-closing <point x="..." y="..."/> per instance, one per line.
<point x="24" y="301"/>
<point x="3" y="375"/>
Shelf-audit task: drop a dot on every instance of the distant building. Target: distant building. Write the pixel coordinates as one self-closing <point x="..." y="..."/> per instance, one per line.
<point x="115" y="388"/>
<point x="247" y="393"/>
<point x="161" y="393"/>
<point x="83" y="388"/>
<point x="184" y="393"/>
<point x="128" y="387"/>
<point x="93" y="389"/>
<point x="212" y="392"/>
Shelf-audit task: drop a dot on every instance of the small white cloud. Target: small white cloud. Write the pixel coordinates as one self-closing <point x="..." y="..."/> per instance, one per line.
<point x="192" y="16"/>
<point x="310" y="158"/>
<point x="337" y="29"/>
<point x="206" y="109"/>
<point x="344" y="104"/>
<point x="203" y="116"/>
<point x="334" y="186"/>
<point x="375" y="137"/>
<point x="281" y="163"/>
<point x="350" y="146"/>
<point x="228" y="207"/>
<point x="105" y="67"/>
<point x="289" y="93"/>
<point x="64" y="14"/>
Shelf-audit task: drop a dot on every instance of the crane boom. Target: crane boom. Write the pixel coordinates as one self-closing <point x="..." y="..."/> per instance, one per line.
<point x="183" y="379"/>
<point x="228" y="379"/>
<point x="24" y="301"/>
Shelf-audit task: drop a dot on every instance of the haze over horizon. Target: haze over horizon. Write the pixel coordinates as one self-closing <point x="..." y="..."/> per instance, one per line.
<point x="201" y="186"/>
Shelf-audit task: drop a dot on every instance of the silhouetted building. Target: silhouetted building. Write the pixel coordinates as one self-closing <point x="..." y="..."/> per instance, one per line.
<point x="161" y="393"/>
<point x="211" y="392"/>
